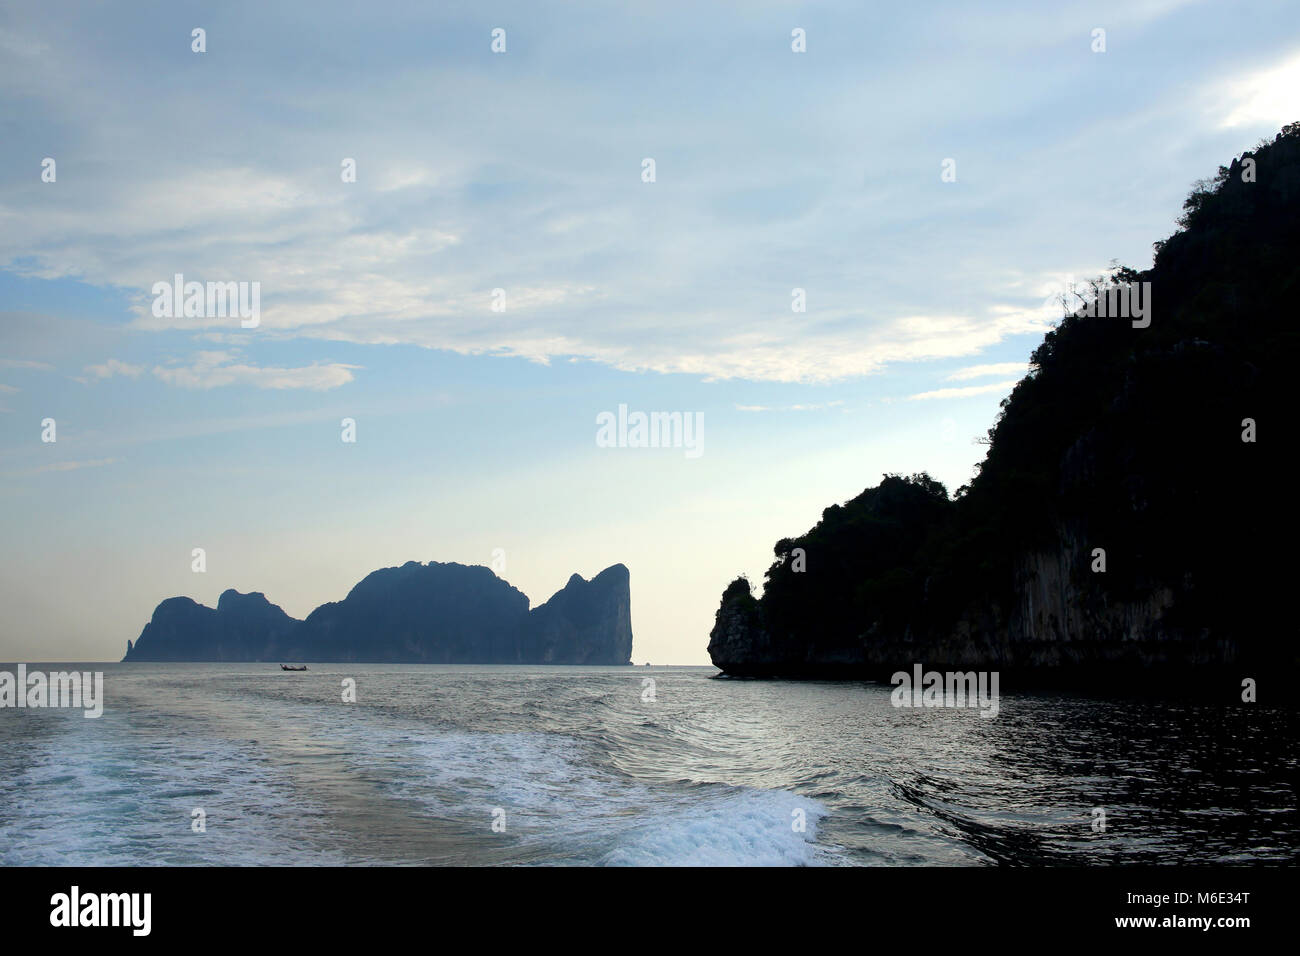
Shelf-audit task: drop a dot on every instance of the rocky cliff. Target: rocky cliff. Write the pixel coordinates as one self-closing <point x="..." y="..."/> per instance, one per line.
<point x="420" y="613"/>
<point x="588" y="622"/>
<point x="242" y="627"/>
<point x="417" y="613"/>
<point x="1125" y="525"/>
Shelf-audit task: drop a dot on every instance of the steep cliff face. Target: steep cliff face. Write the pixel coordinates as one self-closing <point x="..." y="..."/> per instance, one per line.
<point x="417" y="613"/>
<point x="242" y="627"/>
<point x="739" y="642"/>
<point x="1126" y="519"/>
<point x="1058" y="630"/>
<point x="588" y="622"/>
<point x="1058" y="604"/>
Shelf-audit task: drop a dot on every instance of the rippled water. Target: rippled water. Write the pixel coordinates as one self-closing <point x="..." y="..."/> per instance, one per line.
<point x="587" y="770"/>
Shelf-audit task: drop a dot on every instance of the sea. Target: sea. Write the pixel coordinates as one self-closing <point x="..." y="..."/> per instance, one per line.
<point x="246" y="764"/>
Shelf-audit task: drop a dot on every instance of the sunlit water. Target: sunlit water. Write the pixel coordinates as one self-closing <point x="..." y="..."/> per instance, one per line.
<point x="583" y="767"/>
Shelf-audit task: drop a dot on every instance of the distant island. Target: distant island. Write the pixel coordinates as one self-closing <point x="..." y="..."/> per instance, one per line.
<point x="1131" y="520"/>
<point x="418" y="613"/>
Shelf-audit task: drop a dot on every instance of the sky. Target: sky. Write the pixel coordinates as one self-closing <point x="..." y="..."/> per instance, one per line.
<point x="504" y="268"/>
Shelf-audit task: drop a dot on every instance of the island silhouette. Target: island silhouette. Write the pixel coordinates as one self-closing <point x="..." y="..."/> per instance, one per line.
<point x="418" y="613"/>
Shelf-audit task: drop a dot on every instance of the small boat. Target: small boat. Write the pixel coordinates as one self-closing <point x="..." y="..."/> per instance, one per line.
<point x="286" y="667"/>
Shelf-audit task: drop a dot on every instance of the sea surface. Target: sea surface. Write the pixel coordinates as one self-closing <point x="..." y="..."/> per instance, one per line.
<point x="628" y="766"/>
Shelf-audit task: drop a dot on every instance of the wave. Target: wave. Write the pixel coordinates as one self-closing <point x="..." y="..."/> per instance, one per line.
<point x="560" y="799"/>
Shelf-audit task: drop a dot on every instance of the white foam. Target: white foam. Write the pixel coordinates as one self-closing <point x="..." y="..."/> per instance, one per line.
<point x="741" y="828"/>
<point x="123" y="794"/>
<point x="103" y="796"/>
<point x="556" y="796"/>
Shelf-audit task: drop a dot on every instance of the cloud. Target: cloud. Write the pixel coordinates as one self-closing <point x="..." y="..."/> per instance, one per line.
<point x="115" y="367"/>
<point x="411" y="252"/>
<point x="1268" y="98"/>
<point x="7" y="389"/>
<point x="691" y="274"/>
<point x="982" y="371"/>
<point x="219" y="369"/>
<point x="60" y="466"/>
<point x="965" y="392"/>
<point x="21" y="363"/>
<point x="789" y="408"/>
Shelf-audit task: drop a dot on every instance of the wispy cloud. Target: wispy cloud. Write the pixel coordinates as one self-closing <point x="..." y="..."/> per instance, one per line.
<point x="556" y="215"/>
<point x="983" y="371"/>
<point x="60" y="466"/>
<point x="966" y="391"/>
<point x="789" y="408"/>
<point x="218" y="369"/>
<point x="114" y="367"/>
<point x="23" y="363"/>
<point x="1270" y="97"/>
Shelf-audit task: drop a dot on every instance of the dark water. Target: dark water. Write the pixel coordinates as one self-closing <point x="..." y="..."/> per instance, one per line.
<point x="581" y="767"/>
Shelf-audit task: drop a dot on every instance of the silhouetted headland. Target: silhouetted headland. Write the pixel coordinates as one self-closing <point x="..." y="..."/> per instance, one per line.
<point x="1130" y="524"/>
<point x="418" y="613"/>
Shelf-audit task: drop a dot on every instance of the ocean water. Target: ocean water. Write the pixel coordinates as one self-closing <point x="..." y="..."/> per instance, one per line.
<point x="582" y="767"/>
